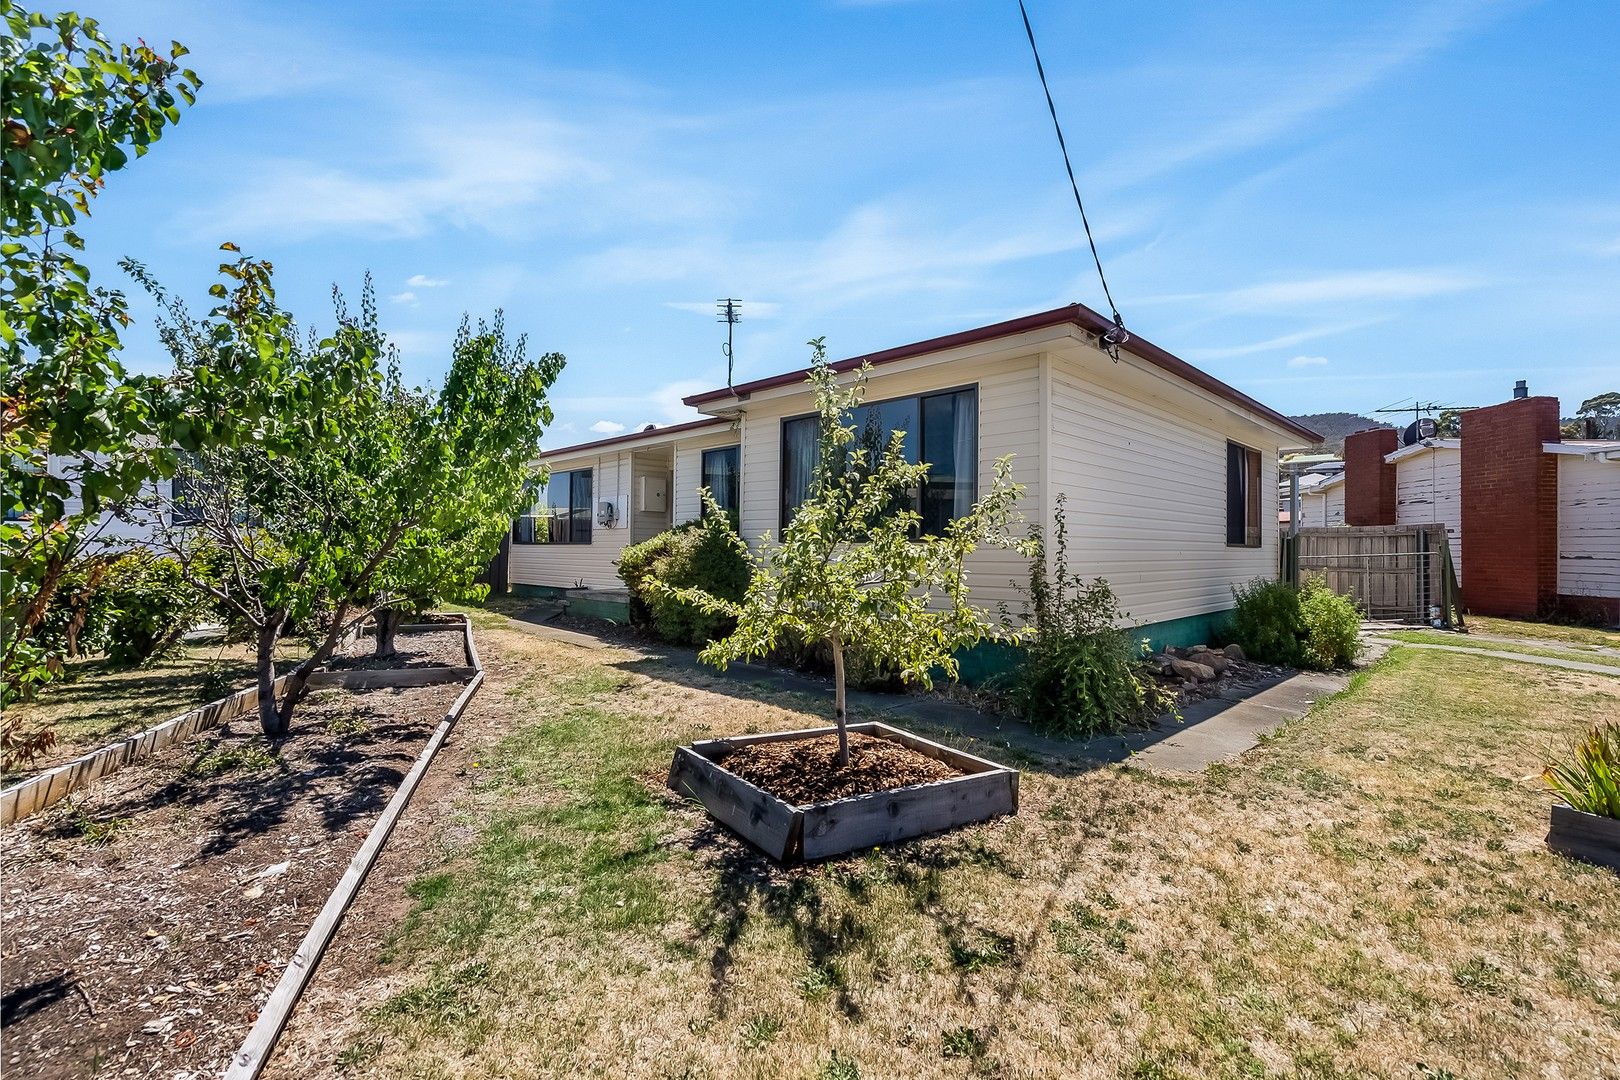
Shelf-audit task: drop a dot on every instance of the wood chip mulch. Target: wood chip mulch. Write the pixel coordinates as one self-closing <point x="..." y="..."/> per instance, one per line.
<point x="147" y="919"/>
<point x="418" y="648"/>
<point x="801" y="771"/>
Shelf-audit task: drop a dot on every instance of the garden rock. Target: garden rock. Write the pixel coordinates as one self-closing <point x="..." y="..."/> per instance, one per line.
<point x="1234" y="651"/>
<point x="1209" y="658"/>
<point x="1191" y="670"/>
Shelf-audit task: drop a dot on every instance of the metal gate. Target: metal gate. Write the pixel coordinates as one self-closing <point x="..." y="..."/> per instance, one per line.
<point x="1397" y="573"/>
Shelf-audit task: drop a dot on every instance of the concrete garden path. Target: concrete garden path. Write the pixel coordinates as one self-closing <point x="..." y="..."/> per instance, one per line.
<point x="1525" y="658"/>
<point x="1210" y="730"/>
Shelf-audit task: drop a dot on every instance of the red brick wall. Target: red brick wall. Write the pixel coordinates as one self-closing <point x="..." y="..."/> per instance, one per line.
<point x="1369" y="481"/>
<point x="1510" y="508"/>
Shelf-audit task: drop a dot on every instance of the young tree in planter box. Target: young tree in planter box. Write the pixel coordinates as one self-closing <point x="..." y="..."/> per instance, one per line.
<point x="854" y="571"/>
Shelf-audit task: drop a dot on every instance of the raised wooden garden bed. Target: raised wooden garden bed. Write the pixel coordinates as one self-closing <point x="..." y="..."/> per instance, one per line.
<point x="786" y="832"/>
<point x="1584" y="836"/>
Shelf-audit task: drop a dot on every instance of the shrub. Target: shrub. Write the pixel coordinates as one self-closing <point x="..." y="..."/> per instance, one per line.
<point x="1332" y="627"/>
<point x="79" y="614"/>
<point x="1312" y="627"/>
<point x="1268" y="623"/>
<point x="1590" y="780"/>
<point x="1079" y="673"/>
<point x="151" y="606"/>
<point x="706" y="555"/>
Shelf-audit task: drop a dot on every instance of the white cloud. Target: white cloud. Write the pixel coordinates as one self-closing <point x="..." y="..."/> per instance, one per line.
<point x="1342" y="288"/>
<point x="422" y="281"/>
<point x="607" y="427"/>
<point x="1283" y="341"/>
<point x="406" y="297"/>
<point x="1307" y="361"/>
<point x="1276" y="100"/>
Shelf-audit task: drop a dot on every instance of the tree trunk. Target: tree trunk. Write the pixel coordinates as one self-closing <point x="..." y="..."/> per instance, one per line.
<point x="838" y="702"/>
<point x="388" y="623"/>
<point x="298" y="677"/>
<point x="271" y="720"/>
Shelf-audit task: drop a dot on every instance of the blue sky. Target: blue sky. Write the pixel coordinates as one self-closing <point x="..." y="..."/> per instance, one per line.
<point x="1329" y="206"/>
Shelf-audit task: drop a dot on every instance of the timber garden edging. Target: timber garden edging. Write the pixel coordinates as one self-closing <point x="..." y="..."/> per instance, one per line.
<point x="790" y="833"/>
<point x="250" y="1059"/>
<point x="28" y="797"/>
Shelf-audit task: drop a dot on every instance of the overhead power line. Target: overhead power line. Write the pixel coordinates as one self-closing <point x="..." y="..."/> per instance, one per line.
<point x="1118" y="335"/>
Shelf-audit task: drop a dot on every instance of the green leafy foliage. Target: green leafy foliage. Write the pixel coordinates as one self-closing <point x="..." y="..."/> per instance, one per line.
<point x="1332" y="627"/>
<point x="151" y="605"/>
<point x="76" y="109"/>
<point x="707" y="555"/>
<point x="1312" y="626"/>
<point x="1267" y="622"/>
<point x="1080" y="672"/>
<point x="1589" y="780"/>
<point x="481" y="435"/>
<point x="354" y="492"/>
<point x="851" y="569"/>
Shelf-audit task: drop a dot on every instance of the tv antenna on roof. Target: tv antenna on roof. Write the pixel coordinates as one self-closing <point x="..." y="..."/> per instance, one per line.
<point x="730" y="314"/>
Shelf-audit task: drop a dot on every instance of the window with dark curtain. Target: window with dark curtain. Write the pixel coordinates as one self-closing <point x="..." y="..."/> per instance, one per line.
<point x="1242" y="496"/>
<point x="565" y="515"/>
<point x="720" y="476"/>
<point x="941" y="429"/>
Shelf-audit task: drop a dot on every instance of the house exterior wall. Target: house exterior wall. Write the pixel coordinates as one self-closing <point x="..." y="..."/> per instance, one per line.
<point x="1322" y="509"/>
<point x="565" y="565"/>
<point x="1009" y="423"/>
<point x="1144" y="477"/>
<point x="1588" y="527"/>
<point x="1510" y="507"/>
<point x="652" y="463"/>
<point x="689" y="470"/>
<point x="1428" y="490"/>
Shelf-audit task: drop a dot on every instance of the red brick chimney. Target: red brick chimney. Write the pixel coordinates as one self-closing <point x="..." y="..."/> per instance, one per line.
<point x="1369" y="480"/>
<point x="1510" y="508"/>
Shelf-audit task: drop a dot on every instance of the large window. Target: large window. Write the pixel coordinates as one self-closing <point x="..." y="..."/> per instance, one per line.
<point x="721" y="475"/>
<point x="1242" y="496"/>
<point x="941" y="429"/>
<point x="565" y="512"/>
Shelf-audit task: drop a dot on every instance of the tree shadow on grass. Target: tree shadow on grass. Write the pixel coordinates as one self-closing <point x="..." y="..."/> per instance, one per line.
<point x="805" y="900"/>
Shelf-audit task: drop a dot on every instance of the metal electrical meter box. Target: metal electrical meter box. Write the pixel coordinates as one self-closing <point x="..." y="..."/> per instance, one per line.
<point x="653" y="495"/>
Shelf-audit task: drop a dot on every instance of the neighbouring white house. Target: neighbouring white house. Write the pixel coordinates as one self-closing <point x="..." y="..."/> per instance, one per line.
<point x="1532" y="518"/>
<point x="1168" y="472"/>
<point x="1321" y="500"/>
<point x="114" y="529"/>
<point x="1428" y="490"/>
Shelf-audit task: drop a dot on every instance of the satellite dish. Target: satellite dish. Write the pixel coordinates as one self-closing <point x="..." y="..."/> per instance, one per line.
<point x="1417" y="431"/>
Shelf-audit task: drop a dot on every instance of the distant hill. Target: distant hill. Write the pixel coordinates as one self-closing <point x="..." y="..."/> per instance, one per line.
<point x="1334" y="426"/>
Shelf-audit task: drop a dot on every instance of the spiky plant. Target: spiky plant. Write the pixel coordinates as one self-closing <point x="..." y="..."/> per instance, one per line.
<point x="1590" y="780"/>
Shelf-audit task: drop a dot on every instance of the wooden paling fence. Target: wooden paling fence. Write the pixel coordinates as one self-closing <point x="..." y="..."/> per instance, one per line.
<point x="1399" y="573"/>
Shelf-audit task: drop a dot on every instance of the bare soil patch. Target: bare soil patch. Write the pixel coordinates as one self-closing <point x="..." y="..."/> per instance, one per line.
<point x="147" y="920"/>
<point x="803" y="771"/>
<point x="419" y="648"/>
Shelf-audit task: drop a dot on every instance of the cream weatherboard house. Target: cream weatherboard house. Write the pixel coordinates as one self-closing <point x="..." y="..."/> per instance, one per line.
<point x="1167" y="471"/>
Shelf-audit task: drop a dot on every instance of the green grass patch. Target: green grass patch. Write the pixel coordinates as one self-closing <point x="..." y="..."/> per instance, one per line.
<point x="1425" y="637"/>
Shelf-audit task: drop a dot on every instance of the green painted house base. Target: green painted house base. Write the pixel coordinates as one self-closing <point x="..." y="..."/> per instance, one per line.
<point x="990" y="660"/>
<point x="579" y="601"/>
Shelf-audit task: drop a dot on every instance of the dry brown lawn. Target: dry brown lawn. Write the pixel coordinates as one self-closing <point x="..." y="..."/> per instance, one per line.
<point x="1366" y="894"/>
